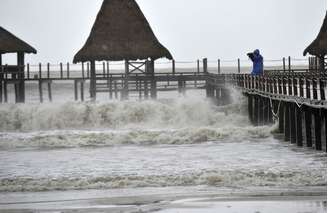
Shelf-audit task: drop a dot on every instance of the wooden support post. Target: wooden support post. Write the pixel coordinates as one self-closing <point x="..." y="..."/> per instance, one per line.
<point x="250" y="108"/>
<point x="125" y="92"/>
<point x="88" y="70"/>
<point x="287" y="121"/>
<point x="299" y="127"/>
<point x="280" y="110"/>
<point x="68" y="70"/>
<point x="284" y="64"/>
<point x="75" y="90"/>
<point x="110" y="88"/>
<point x="104" y="69"/>
<point x="40" y="71"/>
<point x="324" y="128"/>
<point x="1" y="90"/>
<point x="140" y="90"/>
<point x="48" y="70"/>
<point x="1" y="78"/>
<point x="61" y="70"/>
<point x="93" y="80"/>
<point x="21" y="78"/>
<point x="173" y="66"/>
<point x="308" y="126"/>
<point x="49" y="91"/>
<point x="115" y="90"/>
<point x="317" y="128"/>
<point x="146" y="89"/>
<point x="27" y="70"/>
<point x="83" y="70"/>
<point x="153" y="83"/>
<point x="289" y="64"/>
<point x="107" y="69"/>
<point x="238" y="66"/>
<point x="261" y="111"/>
<point x="269" y="112"/>
<point x="219" y="66"/>
<point x="198" y="66"/>
<point x="292" y="123"/>
<point x="82" y="90"/>
<point x="5" y="91"/>
<point x="205" y="65"/>
<point x="40" y="91"/>
<point x="256" y="111"/>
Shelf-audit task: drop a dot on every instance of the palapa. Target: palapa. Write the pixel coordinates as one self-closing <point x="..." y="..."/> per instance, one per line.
<point x="319" y="46"/>
<point x="121" y="32"/>
<point x="9" y="43"/>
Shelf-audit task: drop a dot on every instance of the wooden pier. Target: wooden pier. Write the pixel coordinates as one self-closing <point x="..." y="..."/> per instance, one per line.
<point x="294" y="98"/>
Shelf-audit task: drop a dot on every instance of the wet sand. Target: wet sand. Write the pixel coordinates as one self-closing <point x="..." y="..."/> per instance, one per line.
<point x="168" y="200"/>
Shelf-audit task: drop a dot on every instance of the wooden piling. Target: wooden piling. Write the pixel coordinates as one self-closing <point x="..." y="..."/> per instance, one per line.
<point x="250" y="108"/>
<point x="280" y="111"/>
<point x="261" y="111"/>
<point x="308" y="126"/>
<point x="48" y="70"/>
<point x="173" y="66"/>
<point x="287" y="121"/>
<point x="75" y="90"/>
<point x="317" y="127"/>
<point x="68" y="70"/>
<point x="299" y="127"/>
<point x="61" y="70"/>
<point x="115" y="90"/>
<point x="83" y="76"/>
<point x="21" y="77"/>
<point x="82" y="91"/>
<point x="40" y="91"/>
<point x="292" y="123"/>
<point x="238" y="66"/>
<point x="5" y="91"/>
<point x="256" y="111"/>
<point x="219" y="66"/>
<point x="125" y="91"/>
<point x="93" y="80"/>
<point x="205" y="70"/>
<point x="49" y="91"/>
<point x="198" y="66"/>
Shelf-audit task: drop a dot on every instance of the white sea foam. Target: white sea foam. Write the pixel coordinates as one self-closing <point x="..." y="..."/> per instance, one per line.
<point x="178" y="113"/>
<point x="210" y="178"/>
<point x="181" y="121"/>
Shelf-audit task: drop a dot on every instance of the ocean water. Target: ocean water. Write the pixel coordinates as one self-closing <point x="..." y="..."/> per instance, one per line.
<point x="185" y="145"/>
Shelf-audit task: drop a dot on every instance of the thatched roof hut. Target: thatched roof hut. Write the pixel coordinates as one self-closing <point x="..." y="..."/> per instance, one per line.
<point x="9" y="43"/>
<point x="319" y="46"/>
<point x="121" y="32"/>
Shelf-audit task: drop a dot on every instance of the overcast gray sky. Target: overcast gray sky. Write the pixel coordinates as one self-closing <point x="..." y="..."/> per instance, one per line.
<point x="190" y="29"/>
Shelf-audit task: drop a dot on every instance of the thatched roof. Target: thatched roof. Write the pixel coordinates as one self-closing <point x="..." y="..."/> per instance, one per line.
<point x="319" y="46"/>
<point x="11" y="44"/>
<point x="121" y="32"/>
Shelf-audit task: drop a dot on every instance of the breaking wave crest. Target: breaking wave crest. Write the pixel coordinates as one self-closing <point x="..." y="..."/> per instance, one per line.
<point x="59" y="139"/>
<point x="179" y="113"/>
<point x="209" y="178"/>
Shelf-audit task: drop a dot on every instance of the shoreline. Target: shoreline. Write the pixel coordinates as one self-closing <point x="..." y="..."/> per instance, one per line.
<point x="166" y="200"/>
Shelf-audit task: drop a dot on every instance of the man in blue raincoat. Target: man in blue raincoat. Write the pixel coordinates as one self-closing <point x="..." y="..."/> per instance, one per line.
<point x="257" y="62"/>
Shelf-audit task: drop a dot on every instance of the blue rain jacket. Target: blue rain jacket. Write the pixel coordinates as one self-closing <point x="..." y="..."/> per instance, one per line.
<point x="257" y="63"/>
